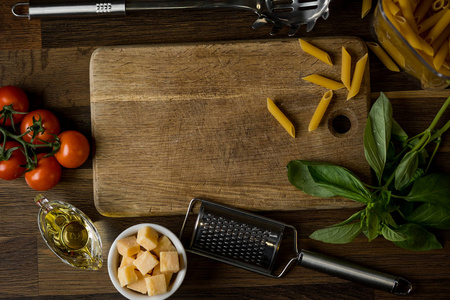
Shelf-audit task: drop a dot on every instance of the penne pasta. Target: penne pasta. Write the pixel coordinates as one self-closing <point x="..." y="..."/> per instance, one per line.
<point x="426" y="30"/>
<point x="392" y="12"/>
<point x="383" y="56"/>
<point x="412" y="38"/>
<point x="422" y="9"/>
<point x="357" y="77"/>
<point x="396" y="55"/>
<point x="437" y="43"/>
<point x="440" y="56"/>
<point x="280" y="117"/>
<point x="444" y="71"/>
<point x="430" y="22"/>
<point x="437" y="5"/>
<point x="366" y="6"/>
<point x="440" y="26"/>
<point x="316" y="52"/>
<point x="325" y="82"/>
<point x="320" y="111"/>
<point x="391" y="7"/>
<point x="407" y="11"/>
<point x="407" y="32"/>
<point x="346" y="68"/>
<point x="427" y="58"/>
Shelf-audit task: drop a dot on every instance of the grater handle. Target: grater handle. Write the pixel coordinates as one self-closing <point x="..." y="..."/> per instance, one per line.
<point x="353" y="272"/>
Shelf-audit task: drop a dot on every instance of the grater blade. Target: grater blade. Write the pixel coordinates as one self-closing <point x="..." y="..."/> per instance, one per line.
<point x="238" y="238"/>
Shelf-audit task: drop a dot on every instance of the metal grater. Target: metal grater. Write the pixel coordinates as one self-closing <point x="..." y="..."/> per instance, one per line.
<point x="252" y="242"/>
<point x="224" y="237"/>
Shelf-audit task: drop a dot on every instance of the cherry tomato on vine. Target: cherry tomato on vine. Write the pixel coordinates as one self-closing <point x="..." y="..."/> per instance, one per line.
<point x="12" y="95"/>
<point x="74" y="150"/>
<point x="49" y="121"/>
<point x="11" y="169"/>
<point x="46" y="174"/>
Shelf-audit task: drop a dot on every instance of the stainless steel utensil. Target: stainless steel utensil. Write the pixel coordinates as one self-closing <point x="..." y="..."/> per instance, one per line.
<point x="252" y="242"/>
<point x="281" y="13"/>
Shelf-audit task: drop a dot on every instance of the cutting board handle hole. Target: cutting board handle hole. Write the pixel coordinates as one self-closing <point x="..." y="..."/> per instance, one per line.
<point x="341" y="124"/>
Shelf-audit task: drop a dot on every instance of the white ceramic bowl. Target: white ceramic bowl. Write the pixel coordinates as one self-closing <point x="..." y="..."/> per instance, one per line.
<point x="114" y="262"/>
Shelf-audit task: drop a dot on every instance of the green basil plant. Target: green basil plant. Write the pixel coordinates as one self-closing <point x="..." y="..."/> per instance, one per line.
<point x="406" y="199"/>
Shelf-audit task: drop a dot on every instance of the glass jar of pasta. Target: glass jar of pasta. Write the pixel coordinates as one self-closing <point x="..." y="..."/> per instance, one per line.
<point x="416" y="34"/>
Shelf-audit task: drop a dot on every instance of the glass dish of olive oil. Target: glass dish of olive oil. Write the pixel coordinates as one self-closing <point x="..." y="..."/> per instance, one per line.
<point x="70" y="234"/>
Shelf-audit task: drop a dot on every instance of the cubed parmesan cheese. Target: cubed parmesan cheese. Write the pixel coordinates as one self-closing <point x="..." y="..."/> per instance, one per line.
<point x="169" y="261"/>
<point x="147" y="237"/>
<point x="157" y="271"/>
<point x="128" y="246"/>
<point x="146" y="262"/>
<point x="164" y="244"/>
<point x="140" y="285"/>
<point x="140" y="253"/>
<point x="156" y="285"/>
<point x="126" y="260"/>
<point x="126" y="275"/>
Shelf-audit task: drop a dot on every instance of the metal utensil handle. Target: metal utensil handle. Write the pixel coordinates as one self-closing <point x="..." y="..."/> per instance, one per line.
<point x="85" y="8"/>
<point x="66" y="8"/>
<point x="353" y="272"/>
<point x="139" y="5"/>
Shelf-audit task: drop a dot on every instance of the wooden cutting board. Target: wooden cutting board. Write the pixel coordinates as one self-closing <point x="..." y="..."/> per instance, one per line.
<point x="174" y="122"/>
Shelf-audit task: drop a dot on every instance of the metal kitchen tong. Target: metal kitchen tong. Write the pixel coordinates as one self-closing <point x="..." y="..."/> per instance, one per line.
<point x="281" y="13"/>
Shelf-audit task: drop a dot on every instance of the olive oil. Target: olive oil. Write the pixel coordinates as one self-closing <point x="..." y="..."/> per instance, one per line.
<point x="70" y="234"/>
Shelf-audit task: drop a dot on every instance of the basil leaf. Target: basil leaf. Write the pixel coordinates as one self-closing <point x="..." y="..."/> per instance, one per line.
<point x="417" y="238"/>
<point x="340" y="182"/>
<point x="370" y="150"/>
<point x="388" y="219"/>
<point x="406" y="169"/>
<point x="398" y="133"/>
<point x="433" y="188"/>
<point x="352" y="218"/>
<point x="390" y="156"/>
<point x="337" y="234"/>
<point x="406" y="208"/>
<point x="372" y="224"/>
<point x="377" y="134"/>
<point x="431" y="215"/>
<point x="385" y="198"/>
<point x="392" y="234"/>
<point x="299" y="176"/>
<point x="422" y="155"/>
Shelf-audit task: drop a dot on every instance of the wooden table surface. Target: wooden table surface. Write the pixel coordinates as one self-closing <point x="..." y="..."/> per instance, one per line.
<point x="49" y="59"/>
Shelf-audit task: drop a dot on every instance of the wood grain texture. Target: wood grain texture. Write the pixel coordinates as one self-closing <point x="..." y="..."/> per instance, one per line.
<point x="201" y="128"/>
<point x="17" y="33"/>
<point x="29" y="271"/>
<point x="16" y="271"/>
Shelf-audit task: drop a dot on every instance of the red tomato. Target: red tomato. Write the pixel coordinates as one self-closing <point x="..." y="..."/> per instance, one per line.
<point x="74" y="149"/>
<point x="15" y="96"/>
<point x="11" y="169"/>
<point x="46" y="175"/>
<point x="50" y="123"/>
